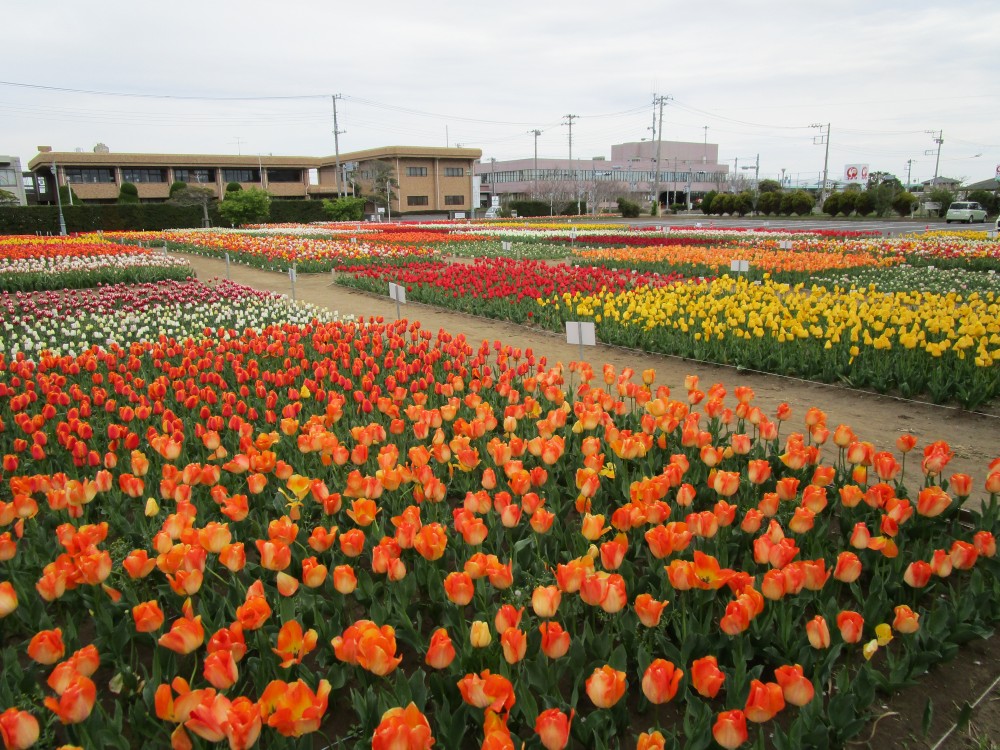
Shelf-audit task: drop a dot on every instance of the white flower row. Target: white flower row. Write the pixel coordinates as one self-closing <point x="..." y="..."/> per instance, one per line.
<point x="73" y="336"/>
<point x="71" y="263"/>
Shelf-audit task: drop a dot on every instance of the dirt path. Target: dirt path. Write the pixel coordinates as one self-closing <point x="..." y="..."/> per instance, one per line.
<point x="974" y="438"/>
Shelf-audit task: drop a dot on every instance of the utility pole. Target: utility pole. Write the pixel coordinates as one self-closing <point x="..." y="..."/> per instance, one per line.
<point x="661" y="100"/>
<point x="536" y="133"/>
<point x="62" y="220"/>
<point x="704" y="157"/>
<point x="938" y="139"/>
<point x="756" y="183"/>
<point x="336" y="139"/>
<point x="826" y="159"/>
<point x="909" y="166"/>
<point x="238" y="141"/>
<point x="576" y="186"/>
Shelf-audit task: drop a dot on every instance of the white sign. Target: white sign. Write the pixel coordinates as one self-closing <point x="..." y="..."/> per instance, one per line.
<point x="739" y="266"/>
<point x="495" y="201"/>
<point x="506" y="246"/>
<point x="397" y="293"/>
<point x="460" y="214"/>
<point x="580" y="333"/>
<point x="856" y="173"/>
<point x="785" y="245"/>
<point x="292" y="274"/>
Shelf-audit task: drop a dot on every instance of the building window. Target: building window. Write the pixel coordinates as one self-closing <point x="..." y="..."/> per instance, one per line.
<point x="284" y="175"/>
<point x="416" y="200"/>
<point x="454" y="200"/>
<point x="454" y="172"/>
<point x="8" y="178"/>
<point x="240" y="175"/>
<point x="194" y="175"/>
<point x="144" y="175"/>
<point x="416" y="171"/>
<point x="89" y="175"/>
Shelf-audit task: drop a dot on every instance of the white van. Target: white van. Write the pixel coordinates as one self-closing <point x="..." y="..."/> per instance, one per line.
<point x="493" y="212"/>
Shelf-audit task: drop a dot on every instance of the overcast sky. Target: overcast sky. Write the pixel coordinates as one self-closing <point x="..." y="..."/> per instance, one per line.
<point x="206" y="77"/>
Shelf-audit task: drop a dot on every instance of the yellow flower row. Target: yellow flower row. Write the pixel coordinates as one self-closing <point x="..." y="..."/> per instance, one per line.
<point x="968" y="325"/>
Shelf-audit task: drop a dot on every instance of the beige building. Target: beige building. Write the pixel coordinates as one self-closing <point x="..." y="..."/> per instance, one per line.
<point x="426" y="178"/>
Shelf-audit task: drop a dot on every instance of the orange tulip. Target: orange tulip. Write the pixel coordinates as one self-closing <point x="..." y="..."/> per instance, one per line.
<point x="344" y="579"/>
<point x="963" y="555"/>
<point x="441" y="652"/>
<point x="293" y="708"/>
<point x="848" y="568"/>
<point x="186" y="634"/>
<point x="706" y="676"/>
<point x="148" y="616"/>
<point x="818" y="632"/>
<point x="555" y="640"/>
<point x="18" y="729"/>
<point x="376" y="650"/>
<point x="233" y="556"/>
<point x="985" y="543"/>
<point x="851" y="625"/>
<point x="545" y="600"/>
<point x="76" y="701"/>
<point x="649" y="610"/>
<point x="932" y="501"/>
<point x="651" y="741"/>
<point x="46" y="646"/>
<point x="606" y="686"/>
<point x="459" y="588"/>
<point x="255" y="610"/>
<point x="796" y="689"/>
<point x="552" y="727"/>
<point x="216" y="719"/>
<point x="730" y="729"/>
<point x="917" y="574"/>
<point x="907" y="621"/>
<point x="220" y="669"/>
<point x="403" y="729"/>
<point x="660" y="681"/>
<point x="293" y="644"/>
<point x="764" y="702"/>
<point x="486" y="690"/>
<point x="514" y="644"/>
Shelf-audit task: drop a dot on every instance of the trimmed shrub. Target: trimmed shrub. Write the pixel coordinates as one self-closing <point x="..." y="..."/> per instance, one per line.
<point x="769" y="203"/>
<point x="176" y="187"/>
<point x="570" y="209"/>
<point x="864" y="204"/>
<point x="904" y="203"/>
<point x="831" y="205"/>
<point x="848" y="199"/>
<point x="802" y="202"/>
<point x="128" y="193"/>
<point x="706" y="202"/>
<point x="344" y="209"/>
<point x="629" y="209"/>
<point x="233" y="187"/>
<point x="529" y="207"/>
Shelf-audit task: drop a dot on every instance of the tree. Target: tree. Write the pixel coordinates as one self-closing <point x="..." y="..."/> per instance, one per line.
<point x="345" y="209"/>
<point x="865" y="203"/>
<point x="769" y="203"/>
<point x="831" y="205"/>
<point x="787" y="205"/>
<point x="7" y="198"/>
<point x="706" y="202"/>
<point x="383" y="182"/>
<point x="193" y="195"/>
<point x="847" y="200"/>
<point x="176" y="187"/>
<point x="742" y="203"/>
<point x="904" y="202"/>
<point x="802" y="202"/>
<point x="769" y="186"/>
<point x="128" y="193"/>
<point x="64" y="195"/>
<point x="943" y="197"/>
<point x="246" y="207"/>
<point x="986" y="199"/>
<point x="233" y="187"/>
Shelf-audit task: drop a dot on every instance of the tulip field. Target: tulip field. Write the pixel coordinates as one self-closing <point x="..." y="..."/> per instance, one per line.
<point x="231" y="520"/>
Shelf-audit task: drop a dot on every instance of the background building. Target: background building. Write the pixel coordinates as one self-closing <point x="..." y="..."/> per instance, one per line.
<point x="424" y="179"/>
<point x="11" y="179"/>
<point x="686" y="171"/>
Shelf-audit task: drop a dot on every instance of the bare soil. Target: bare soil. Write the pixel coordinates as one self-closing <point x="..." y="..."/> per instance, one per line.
<point x="974" y="438"/>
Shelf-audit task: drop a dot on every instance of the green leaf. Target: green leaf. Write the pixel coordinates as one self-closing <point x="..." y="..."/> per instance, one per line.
<point x="928" y="717"/>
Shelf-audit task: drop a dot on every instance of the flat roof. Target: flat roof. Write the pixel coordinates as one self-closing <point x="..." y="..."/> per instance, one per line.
<point x="112" y="159"/>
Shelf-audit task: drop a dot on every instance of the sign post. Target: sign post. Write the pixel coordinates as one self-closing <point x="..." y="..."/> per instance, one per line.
<point x="228" y="276"/>
<point x="739" y="266"/>
<point x="397" y="293"/>
<point x="291" y="277"/>
<point x="580" y="333"/>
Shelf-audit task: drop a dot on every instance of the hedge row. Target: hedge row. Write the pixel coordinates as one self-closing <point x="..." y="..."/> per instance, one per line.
<point x="143" y="216"/>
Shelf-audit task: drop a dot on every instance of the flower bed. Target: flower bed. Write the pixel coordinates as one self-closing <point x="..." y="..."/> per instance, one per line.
<point x="29" y="263"/>
<point x="944" y="345"/>
<point x="226" y="537"/>
<point x="69" y="322"/>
